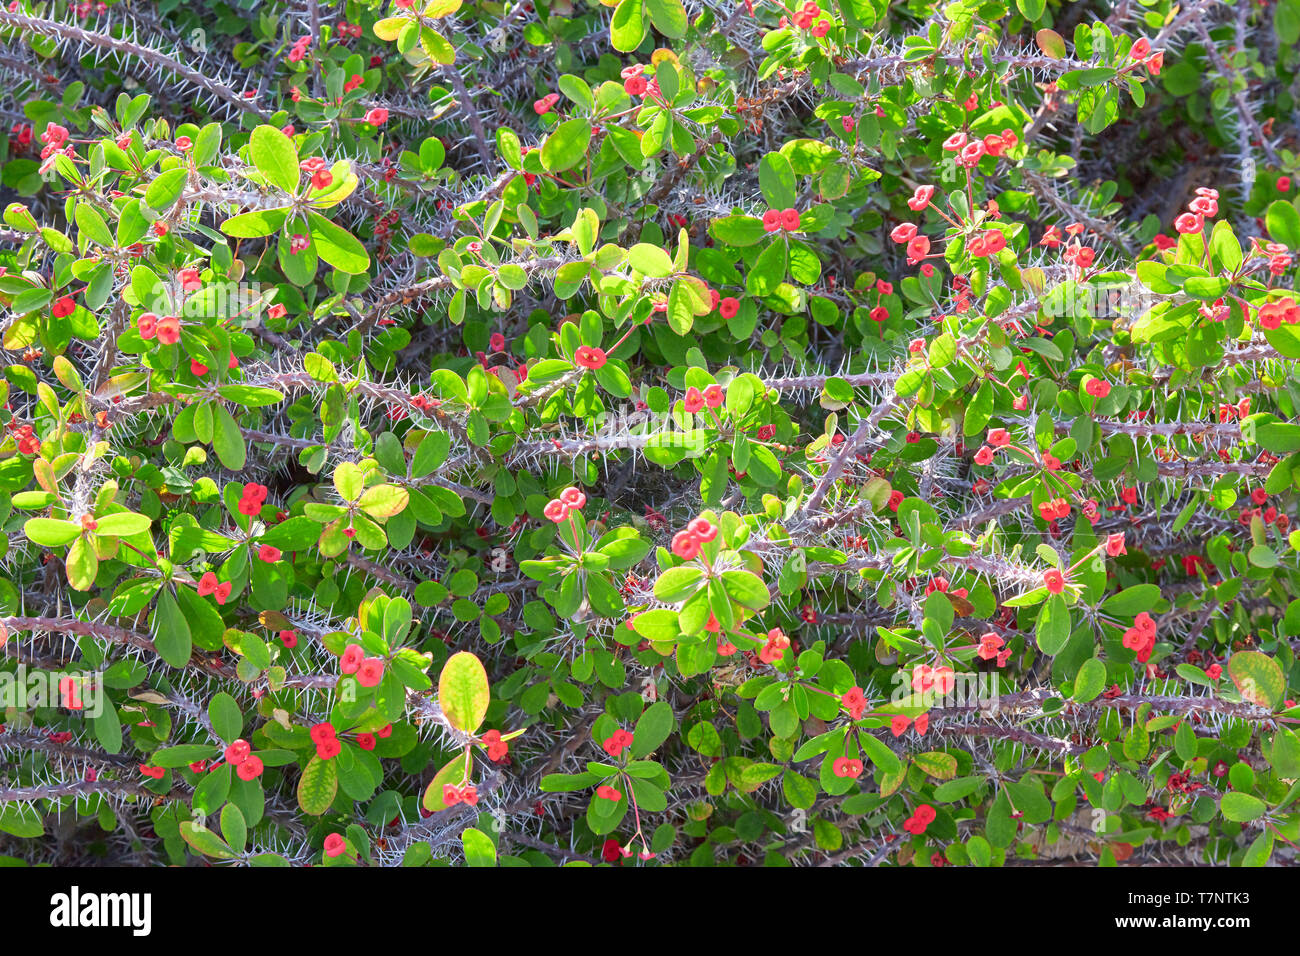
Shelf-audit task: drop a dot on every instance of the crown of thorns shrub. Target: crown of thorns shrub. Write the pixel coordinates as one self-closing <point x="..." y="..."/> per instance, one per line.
<point x="646" y="433"/>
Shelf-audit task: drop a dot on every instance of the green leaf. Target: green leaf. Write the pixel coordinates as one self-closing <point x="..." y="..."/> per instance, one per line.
<point x="253" y="225"/>
<point x="776" y="180"/>
<point x="275" y="157"/>
<point x="171" y="630"/>
<point x="1242" y="807"/>
<point x="567" y="144"/>
<point x="1053" y="626"/>
<point x="228" y="440"/>
<point x="463" y="691"/>
<point x="650" y="260"/>
<point x="1090" y="681"/>
<point x="337" y="246"/>
<point x="318" y="786"/>
<point x="1283" y="222"/>
<point x="51" y="532"/>
<point x="479" y="848"/>
<point x="627" y="26"/>
<point x="668" y="17"/>
<point x="652" y="729"/>
<point x="1258" y="677"/>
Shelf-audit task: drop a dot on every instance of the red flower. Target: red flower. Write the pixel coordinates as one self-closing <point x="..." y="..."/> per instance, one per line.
<point x="366" y="741"/>
<point x="1115" y="545"/>
<point x="207" y="584"/>
<point x="990" y="645"/>
<point x="920" y="198"/>
<point x="728" y="307"/>
<point x="898" y="725"/>
<point x="847" y="767"/>
<point x="1055" y="581"/>
<point x="249" y="769"/>
<point x="63" y="307"/>
<point x="335" y="845"/>
<point x="496" y="747"/>
<point x="377" y="116"/>
<point x="855" y="701"/>
<point x="686" y="545"/>
<point x="237" y="752"/>
<point x="694" y="400"/>
<point x="611" y="851"/>
<point x="289" y="638"/>
<point x="617" y="742"/>
<point x="351" y="659"/>
<point x="322" y="732"/>
<point x="606" y="792"/>
<point x="1097" y="387"/>
<point x="903" y="233"/>
<point x="703" y="529"/>
<point x="589" y="357"/>
<point x="1214" y="671"/>
<point x="269" y="553"/>
<point x="371" y="672"/>
<point x="169" y="330"/>
<point x="790" y="220"/>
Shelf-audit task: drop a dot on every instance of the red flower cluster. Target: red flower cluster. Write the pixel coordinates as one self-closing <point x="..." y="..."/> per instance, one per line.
<point x="497" y="748"/>
<point x="252" y="499"/>
<point x="326" y="741"/>
<point x="774" y="220"/>
<point x="1141" y="637"/>
<point x="772" y="651"/>
<point x="208" y="584"/>
<point x="686" y="543"/>
<point x="617" y="742"/>
<point x="239" y="755"/>
<point x="452" y="795"/>
<point x="919" y="820"/>
<point x="570" y="500"/>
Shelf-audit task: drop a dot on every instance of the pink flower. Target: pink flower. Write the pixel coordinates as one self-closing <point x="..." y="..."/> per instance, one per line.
<point x="855" y="701"/>
<point x="686" y="545"/>
<point x="371" y="672"/>
<point x="904" y="232"/>
<point x="377" y="116"/>
<point x="335" y="845"/>
<point x="921" y="198"/>
<point x="351" y="660"/>
<point x="847" y="767"/>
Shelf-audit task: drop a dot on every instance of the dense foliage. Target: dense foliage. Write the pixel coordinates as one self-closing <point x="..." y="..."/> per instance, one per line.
<point x="646" y="434"/>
